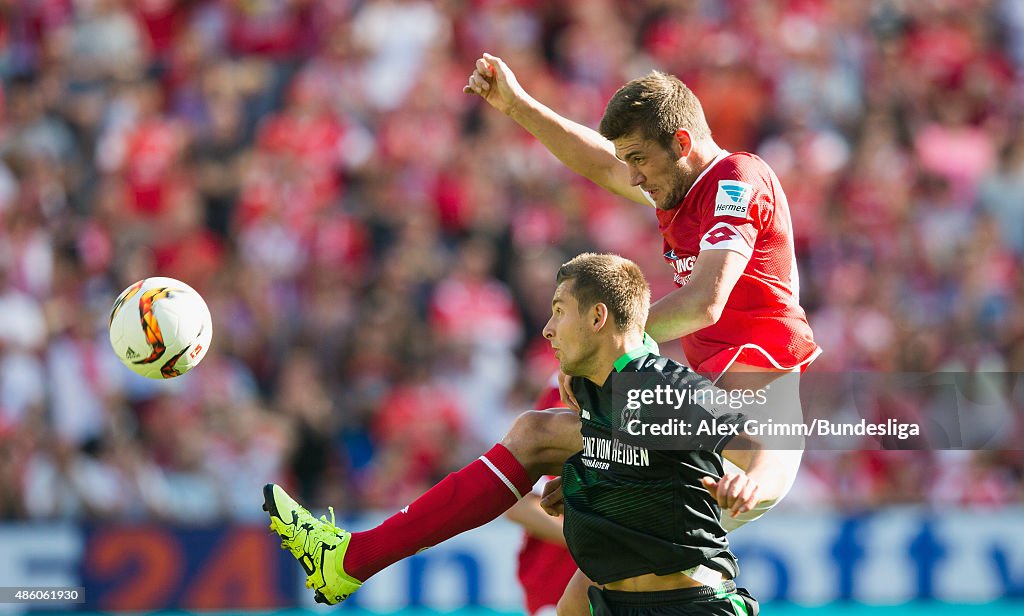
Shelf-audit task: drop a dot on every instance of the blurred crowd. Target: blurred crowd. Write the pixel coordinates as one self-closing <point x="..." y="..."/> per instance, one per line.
<point x="378" y="248"/>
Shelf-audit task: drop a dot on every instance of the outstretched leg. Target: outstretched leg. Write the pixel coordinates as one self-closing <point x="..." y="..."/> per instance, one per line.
<point x="337" y="561"/>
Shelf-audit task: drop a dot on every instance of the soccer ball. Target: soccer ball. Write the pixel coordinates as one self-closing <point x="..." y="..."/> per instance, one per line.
<point x="160" y="328"/>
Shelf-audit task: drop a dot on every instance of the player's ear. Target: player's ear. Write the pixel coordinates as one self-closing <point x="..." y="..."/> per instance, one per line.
<point x="599" y="316"/>
<point x="683" y="139"/>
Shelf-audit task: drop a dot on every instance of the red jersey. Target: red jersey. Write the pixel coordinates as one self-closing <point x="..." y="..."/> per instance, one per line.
<point x="738" y="204"/>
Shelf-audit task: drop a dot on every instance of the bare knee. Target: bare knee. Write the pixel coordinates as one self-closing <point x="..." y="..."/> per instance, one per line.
<point x="542" y="440"/>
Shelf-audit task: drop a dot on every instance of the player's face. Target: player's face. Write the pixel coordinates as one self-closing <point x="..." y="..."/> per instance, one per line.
<point x="569" y="334"/>
<point x="663" y="173"/>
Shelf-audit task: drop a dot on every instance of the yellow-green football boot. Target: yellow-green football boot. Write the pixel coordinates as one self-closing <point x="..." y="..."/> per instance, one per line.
<point x="318" y="545"/>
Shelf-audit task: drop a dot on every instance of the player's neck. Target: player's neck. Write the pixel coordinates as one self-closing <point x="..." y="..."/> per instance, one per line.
<point x="618" y="345"/>
<point x="701" y="156"/>
<point x="705" y="153"/>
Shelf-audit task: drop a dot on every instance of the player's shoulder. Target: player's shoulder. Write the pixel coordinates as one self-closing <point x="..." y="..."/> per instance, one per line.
<point x="669" y="372"/>
<point x="738" y="183"/>
<point x="742" y="166"/>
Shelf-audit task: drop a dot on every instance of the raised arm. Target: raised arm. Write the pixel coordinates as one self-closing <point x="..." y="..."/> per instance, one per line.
<point x="581" y="149"/>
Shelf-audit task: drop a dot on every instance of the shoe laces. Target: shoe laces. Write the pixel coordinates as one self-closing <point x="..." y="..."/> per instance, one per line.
<point x="316" y="531"/>
<point x="330" y="525"/>
<point x="326" y="527"/>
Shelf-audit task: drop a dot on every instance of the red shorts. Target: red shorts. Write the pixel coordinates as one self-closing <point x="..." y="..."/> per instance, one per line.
<point x="749" y="354"/>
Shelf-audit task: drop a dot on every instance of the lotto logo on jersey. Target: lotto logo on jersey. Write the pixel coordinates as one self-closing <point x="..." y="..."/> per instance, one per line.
<point x="733" y="198"/>
<point x="720" y="234"/>
<point x="724" y="236"/>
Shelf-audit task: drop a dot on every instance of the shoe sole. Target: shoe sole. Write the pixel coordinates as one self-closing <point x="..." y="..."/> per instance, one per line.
<point x="271" y="508"/>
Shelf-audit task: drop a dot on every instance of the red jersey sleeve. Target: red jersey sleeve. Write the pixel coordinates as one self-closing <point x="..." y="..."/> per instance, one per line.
<point x="741" y="209"/>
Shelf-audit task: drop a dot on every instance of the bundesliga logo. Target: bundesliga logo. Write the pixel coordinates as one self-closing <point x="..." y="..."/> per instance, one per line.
<point x="733" y="198"/>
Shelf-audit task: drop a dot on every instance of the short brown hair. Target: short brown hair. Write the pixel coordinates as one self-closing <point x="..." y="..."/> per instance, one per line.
<point x="614" y="281"/>
<point x="655" y="106"/>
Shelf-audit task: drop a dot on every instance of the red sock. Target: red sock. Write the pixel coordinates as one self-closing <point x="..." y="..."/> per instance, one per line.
<point x="463" y="500"/>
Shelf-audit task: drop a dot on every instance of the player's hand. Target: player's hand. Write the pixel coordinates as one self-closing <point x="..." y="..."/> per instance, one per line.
<point x="551" y="500"/>
<point x="565" y="392"/>
<point x="495" y="83"/>
<point x="735" y="492"/>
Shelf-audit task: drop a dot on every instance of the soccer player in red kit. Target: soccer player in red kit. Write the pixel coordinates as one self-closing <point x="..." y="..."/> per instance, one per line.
<point x="723" y="216"/>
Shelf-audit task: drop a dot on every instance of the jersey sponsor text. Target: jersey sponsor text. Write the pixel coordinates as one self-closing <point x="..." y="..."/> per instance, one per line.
<point x="595" y="447"/>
